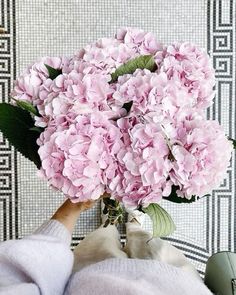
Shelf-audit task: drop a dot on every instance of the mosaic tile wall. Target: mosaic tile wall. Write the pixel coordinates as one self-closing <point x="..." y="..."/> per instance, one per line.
<point x="30" y="29"/>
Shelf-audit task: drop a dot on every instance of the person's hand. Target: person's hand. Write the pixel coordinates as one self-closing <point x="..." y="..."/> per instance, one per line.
<point x="105" y="195"/>
<point x="80" y="206"/>
<point x="69" y="212"/>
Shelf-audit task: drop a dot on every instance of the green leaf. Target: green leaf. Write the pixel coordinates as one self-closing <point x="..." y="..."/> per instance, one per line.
<point x="15" y="124"/>
<point x="163" y="224"/>
<point x="140" y="62"/>
<point x="114" y="211"/>
<point x="53" y="73"/>
<point x="25" y="105"/>
<point x="234" y="142"/>
<point x="37" y="129"/>
<point x="127" y="106"/>
<point x="173" y="197"/>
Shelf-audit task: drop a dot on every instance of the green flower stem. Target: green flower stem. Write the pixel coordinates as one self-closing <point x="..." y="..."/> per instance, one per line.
<point x="114" y="211"/>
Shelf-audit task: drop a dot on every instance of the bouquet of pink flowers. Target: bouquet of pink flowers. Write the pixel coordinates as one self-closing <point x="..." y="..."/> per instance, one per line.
<point x="124" y="116"/>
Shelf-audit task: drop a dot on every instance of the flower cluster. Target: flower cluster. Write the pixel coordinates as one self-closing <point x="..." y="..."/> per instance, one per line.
<point x="91" y="143"/>
<point x="80" y="159"/>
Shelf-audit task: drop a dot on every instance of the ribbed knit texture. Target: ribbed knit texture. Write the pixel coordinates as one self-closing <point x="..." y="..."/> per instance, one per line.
<point x="41" y="264"/>
<point x="134" y="276"/>
<point x="56" y="229"/>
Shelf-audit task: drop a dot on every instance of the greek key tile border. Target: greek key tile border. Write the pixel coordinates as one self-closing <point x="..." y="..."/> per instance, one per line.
<point x="221" y="46"/>
<point x="221" y="205"/>
<point x="8" y="174"/>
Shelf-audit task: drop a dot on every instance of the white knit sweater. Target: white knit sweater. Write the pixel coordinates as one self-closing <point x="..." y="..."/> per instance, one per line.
<point x="42" y="264"/>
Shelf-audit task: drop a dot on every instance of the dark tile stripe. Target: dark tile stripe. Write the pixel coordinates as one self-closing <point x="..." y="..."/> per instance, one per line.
<point x="7" y="75"/>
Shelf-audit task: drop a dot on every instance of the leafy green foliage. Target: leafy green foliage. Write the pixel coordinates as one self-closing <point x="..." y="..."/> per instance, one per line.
<point x="53" y="73"/>
<point x="37" y="129"/>
<point x="140" y="62"/>
<point x="163" y="224"/>
<point x="113" y="210"/>
<point x="25" y="105"/>
<point x="234" y="142"/>
<point x="128" y="106"/>
<point x="173" y="197"/>
<point x="15" y="124"/>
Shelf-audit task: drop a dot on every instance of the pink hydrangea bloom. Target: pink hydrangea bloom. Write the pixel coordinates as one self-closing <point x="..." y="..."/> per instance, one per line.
<point x="144" y="165"/>
<point x="199" y="164"/>
<point x="28" y="84"/>
<point x="152" y="92"/>
<point x="91" y="144"/>
<point x="191" y="66"/>
<point x="75" y="93"/>
<point x="142" y="42"/>
<point x="101" y="57"/>
<point x="78" y="93"/>
<point x="107" y="54"/>
<point x="80" y="160"/>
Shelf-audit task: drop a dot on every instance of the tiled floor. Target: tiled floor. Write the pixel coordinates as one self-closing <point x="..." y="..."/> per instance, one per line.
<point x="41" y="27"/>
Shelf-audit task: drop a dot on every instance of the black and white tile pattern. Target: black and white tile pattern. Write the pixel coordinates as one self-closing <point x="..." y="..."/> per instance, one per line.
<point x="8" y="175"/>
<point x="221" y="45"/>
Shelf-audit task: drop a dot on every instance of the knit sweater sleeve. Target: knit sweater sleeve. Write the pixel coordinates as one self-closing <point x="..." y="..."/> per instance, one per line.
<point x="37" y="264"/>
